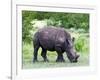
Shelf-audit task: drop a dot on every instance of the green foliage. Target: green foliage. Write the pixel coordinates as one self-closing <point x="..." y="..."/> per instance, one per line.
<point x="26" y="26"/>
<point x="82" y="44"/>
<point x="58" y="19"/>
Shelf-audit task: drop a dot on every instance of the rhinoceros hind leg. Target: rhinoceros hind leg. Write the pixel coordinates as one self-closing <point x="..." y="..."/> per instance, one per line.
<point x="36" y="47"/>
<point x="35" y="54"/>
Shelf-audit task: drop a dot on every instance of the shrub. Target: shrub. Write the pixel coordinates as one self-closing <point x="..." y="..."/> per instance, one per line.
<point x="82" y="44"/>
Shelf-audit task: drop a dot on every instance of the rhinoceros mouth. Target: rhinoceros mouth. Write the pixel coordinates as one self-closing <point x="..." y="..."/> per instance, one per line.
<point x="74" y="60"/>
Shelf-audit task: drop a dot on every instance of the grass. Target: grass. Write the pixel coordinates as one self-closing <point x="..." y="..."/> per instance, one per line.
<point x="28" y="56"/>
<point x="83" y="61"/>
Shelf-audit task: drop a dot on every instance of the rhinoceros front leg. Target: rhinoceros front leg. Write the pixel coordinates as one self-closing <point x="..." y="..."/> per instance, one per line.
<point x="43" y="54"/>
<point x="60" y="58"/>
<point x="60" y="55"/>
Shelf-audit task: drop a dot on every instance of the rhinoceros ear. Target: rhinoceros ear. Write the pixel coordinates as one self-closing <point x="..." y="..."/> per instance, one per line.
<point x="73" y="39"/>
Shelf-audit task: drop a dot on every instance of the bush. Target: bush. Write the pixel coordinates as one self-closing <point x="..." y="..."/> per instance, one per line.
<point x="82" y="44"/>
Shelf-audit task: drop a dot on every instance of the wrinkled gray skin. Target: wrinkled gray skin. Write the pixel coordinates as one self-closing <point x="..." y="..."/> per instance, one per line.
<point x="54" y="39"/>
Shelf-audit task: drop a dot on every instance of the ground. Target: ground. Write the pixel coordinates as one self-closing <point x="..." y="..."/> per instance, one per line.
<point x="28" y="64"/>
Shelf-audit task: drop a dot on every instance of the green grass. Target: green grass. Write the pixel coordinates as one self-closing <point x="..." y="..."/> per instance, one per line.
<point x="28" y="56"/>
<point x="83" y="61"/>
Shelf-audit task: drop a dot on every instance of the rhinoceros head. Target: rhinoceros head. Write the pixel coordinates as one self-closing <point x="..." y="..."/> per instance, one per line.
<point x="71" y="53"/>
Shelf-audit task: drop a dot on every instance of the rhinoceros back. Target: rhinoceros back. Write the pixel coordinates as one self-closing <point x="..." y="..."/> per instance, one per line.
<point x="47" y="38"/>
